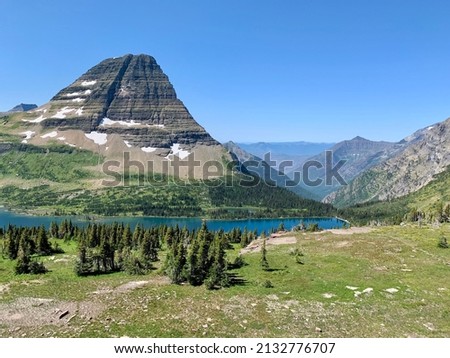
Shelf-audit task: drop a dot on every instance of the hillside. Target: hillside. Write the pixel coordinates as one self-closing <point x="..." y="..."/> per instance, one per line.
<point x="418" y="160"/>
<point x="358" y="155"/>
<point x="251" y="164"/>
<point x="430" y="203"/>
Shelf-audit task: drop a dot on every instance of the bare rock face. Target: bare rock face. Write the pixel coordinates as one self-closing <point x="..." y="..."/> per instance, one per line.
<point x="122" y="108"/>
<point x="130" y="96"/>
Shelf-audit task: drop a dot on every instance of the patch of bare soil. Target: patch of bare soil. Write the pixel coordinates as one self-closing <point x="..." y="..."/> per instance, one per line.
<point x="35" y="312"/>
<point x="350" y="231"/>
<point x="273" y="240"/>
<point x="4" y="288"/>
<point x="132" y="285"/>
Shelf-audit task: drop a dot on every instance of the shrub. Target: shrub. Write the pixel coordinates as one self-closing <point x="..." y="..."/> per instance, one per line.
<point x="313" y="228"/>
<point x="134" y="265"/>
<point x="238" y="262"/>
<point x="267" y="284"/>
<point x="37" y="268"/>
<point x="443" y="244"/>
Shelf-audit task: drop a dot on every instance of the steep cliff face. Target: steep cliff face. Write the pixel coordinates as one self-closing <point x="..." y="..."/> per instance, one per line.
<point x="124" y="104"/>
<point x="130" y="96"/>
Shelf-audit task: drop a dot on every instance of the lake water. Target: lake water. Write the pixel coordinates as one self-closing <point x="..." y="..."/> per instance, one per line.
<point x="7" y="217"/>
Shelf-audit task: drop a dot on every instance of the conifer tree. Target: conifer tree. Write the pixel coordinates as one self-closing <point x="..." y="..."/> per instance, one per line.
<point x="217" y="275"/>
<point x="149" y="246"/>
<point x="12" y="245"/>
<point x="43" y="245"/>
<point x="137" y="236"/>
<point x="23" y="262"/>
<point x="84" y="264"/>
<point x="54" y="230"/>
<point x="203" y="240"/>
<point x="176" y="261"/>
<point x="194" y="270"/>
<point x="127" y="238"/>
<point x="264" y="262"/>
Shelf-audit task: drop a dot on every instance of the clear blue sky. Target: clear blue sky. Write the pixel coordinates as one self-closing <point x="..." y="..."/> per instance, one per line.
<point x="313" y="70"/>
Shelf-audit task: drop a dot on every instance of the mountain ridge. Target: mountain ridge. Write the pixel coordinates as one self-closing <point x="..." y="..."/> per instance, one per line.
<point x="417" y="160"/>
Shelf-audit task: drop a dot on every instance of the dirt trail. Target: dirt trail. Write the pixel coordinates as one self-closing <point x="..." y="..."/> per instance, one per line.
<point x="273" y="240"/>
<point x="349" y="231"/>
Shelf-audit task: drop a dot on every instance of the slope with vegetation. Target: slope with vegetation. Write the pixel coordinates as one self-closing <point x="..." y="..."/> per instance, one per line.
<point x="384" y="282"/>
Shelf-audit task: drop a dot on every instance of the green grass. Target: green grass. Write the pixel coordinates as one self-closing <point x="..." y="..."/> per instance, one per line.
<point x="57" y="164"/>
<point x="405" y="258"/>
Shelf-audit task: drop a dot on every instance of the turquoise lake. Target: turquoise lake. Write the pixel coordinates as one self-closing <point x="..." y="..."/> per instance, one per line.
<point x="267" y="225"/>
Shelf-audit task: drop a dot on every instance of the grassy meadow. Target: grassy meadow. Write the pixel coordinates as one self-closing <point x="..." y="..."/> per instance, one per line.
<point x="380" y="282"/>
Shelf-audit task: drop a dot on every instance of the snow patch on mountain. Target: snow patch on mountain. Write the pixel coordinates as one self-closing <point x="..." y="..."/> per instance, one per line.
<point x="97" y="138"/>
<point x="88" y="83"/>
<point x="148" y="149"/>
<point x="175" y="150"/>
<point x="50" y="135"/>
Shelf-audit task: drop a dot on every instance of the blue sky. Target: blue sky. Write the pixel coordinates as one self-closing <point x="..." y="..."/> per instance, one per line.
<point x="312" y="70"/>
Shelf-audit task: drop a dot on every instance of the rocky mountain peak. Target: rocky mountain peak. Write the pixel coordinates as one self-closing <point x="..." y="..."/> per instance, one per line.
<point x="123" y="104"/>
<point x="130" y="96"/>
<point x="23" y="107"/>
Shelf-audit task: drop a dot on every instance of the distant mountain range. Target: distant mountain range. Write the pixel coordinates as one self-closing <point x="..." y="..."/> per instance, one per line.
<point x="297" y="152"/>
<point x="409" y="166"/>
<point x="20" y="108"/>
<point x="251" y="164"/>
<point x="383" y="171"/>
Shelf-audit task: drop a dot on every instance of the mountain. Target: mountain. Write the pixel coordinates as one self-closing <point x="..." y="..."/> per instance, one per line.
<point x="357" y="155"/>
<point x="297" y="152"/>
<point x="125" y="104"/>
<point x="23" y="107"/>
<point x="118" y="141"/>
<point x="251" y="164"/>
<point x="415" y="162"/>
<point x="19" y="108"/>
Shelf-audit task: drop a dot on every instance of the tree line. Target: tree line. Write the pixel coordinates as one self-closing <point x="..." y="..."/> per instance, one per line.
<point x="193" y="256"/>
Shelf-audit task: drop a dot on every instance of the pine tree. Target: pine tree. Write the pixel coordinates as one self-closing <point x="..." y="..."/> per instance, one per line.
<point x="217" y="276"/>
<point x="12" y="245"/>
<point x="54" y="229"/>
<point x="149" y="246"/>
<point x="23" y="262"/>
<point x="176" y="261"/>
<point x="264" y="262"/>
<point x="43" y="245"/>
<point x="204" y="240"/>
<point x="107" y="255"/>
<point x="84" y="264"/>
<point x="194" y="271"/>
<point x="137" y="236"/>
<point x="127" y="238"/>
